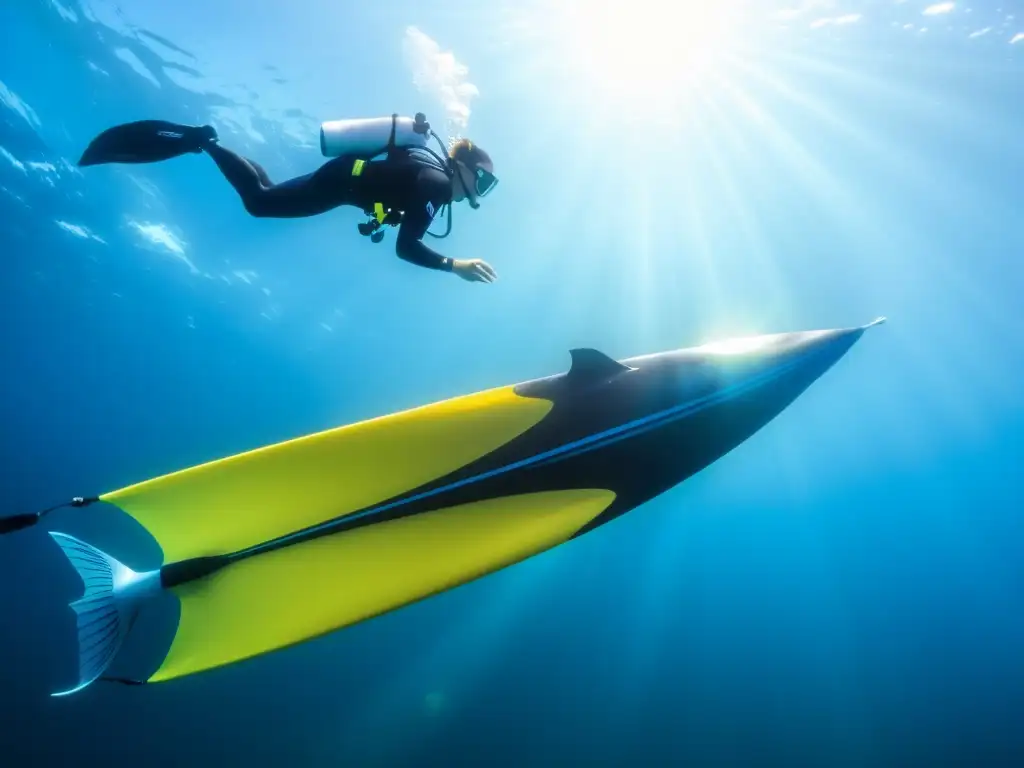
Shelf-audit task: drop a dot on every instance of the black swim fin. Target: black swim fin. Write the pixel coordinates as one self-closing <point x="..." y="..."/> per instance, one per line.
<point x="146" y="141"/>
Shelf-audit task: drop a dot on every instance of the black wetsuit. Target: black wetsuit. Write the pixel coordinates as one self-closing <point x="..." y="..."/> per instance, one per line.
<point x="407" y="182"/>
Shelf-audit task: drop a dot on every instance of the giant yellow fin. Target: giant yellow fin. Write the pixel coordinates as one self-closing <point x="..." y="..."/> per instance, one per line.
<point x="230" y="504"/>
<point x="292" y="594"/>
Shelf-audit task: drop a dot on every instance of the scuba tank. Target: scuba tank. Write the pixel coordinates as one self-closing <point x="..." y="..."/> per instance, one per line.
<point x="363" y="139"/>
<point x="369" y="136"/>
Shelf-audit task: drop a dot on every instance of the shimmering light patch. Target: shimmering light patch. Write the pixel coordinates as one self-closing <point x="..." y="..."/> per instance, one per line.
<point x="12" y="101"/>
<point x="159" y="235"/>
<point x="245" y="275"/>
<point x="79" y="231"/>
<point x="737" y="346"/>
<point x="980" y="32"/>
<point x="132" y="61"/>
<point x="1017" y="38"/>
<point x="801" y="9"/>
<point x="240" y="118"/>
<point x="849" y="18"/>
<point x="13" y="195"/>
<point x="12" y="160"/>
<point x="191" y="81"/>
<point x="165" y="50"/>
<point x="48" y="172"/>
<point x="148" y="187"/>
<point x="66" y="13"/>
<point x="935" y="10"/>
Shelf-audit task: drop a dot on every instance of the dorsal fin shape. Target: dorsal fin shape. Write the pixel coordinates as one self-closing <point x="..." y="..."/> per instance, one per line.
<point x="590" y="364"/>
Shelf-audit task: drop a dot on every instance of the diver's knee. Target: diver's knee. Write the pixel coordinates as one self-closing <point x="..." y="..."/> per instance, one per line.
<point x="255" y="207"/>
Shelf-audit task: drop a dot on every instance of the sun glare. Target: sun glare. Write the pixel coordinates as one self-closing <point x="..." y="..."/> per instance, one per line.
<point x="740" y="345"/>
<point x="644" y="52"/>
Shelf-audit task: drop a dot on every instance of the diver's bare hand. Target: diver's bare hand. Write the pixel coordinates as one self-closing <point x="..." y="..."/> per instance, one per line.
<point x="474" y="270"/>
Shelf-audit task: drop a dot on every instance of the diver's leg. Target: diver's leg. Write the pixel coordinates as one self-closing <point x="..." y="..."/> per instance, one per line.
<point x="264" y="178"/>
<point x="308" y="195"/>
<point x="239" y="173"/>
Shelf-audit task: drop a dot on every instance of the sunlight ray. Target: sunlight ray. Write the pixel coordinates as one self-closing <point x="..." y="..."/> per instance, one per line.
<point x="945" y="190"/>
<point x="927" y="180"/>
<point x="647" y="267"/>
<point x="817" y="179"/>
<point x="863" y="226"/>
<point x="790" y="459"/>
<point x="753" y="237"/>
<point x="763" y="75"/>
<point x="711" y="293"/>
<point x="918" y="102"/>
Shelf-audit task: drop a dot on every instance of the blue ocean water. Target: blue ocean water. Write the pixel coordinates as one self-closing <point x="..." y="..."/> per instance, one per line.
<point x="844" y="589"/>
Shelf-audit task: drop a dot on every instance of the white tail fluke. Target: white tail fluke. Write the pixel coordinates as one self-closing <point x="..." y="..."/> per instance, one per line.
<point x="105" y="613"/>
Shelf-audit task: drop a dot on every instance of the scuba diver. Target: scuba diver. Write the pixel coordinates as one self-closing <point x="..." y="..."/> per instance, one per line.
<point x="404" y="189"/>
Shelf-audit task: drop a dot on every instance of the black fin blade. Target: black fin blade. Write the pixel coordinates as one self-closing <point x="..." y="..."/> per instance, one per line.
<point x="17" y="522"/>
<point x="590" y="364"/>
<point x="145" y="141"/>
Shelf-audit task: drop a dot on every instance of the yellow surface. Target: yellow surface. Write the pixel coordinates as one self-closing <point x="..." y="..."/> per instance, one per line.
<point x="244" y="500"/>
<point x="283" y="597"/>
